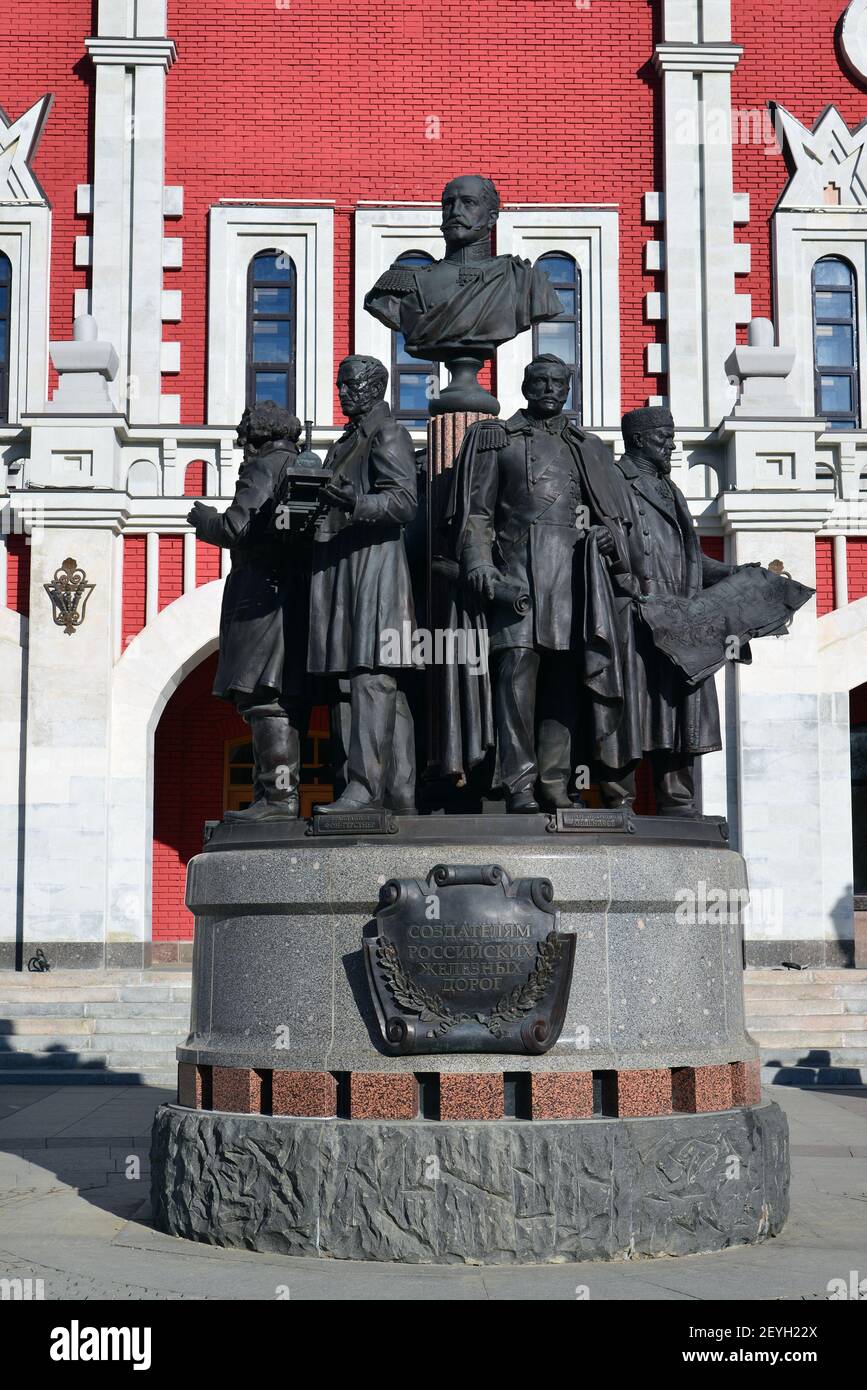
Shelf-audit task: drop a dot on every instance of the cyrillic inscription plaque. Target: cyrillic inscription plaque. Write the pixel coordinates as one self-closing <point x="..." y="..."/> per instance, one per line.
<point x="468" y="961"/>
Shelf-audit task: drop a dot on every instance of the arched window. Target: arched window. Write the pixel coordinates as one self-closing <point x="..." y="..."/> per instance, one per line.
<point x="271" y="321"/>
<point x="5" y="332"/>
<point x="562" y="336"/>
<point x="409" y="376"/>
<point x="835" y="343"/>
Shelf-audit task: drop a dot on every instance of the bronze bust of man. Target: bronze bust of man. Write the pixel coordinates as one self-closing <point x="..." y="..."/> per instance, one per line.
<point x="460" y="309"/>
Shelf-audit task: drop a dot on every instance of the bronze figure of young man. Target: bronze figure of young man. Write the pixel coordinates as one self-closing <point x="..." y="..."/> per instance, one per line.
<point x="361" y="595"/>
<point x="263" y="636"/>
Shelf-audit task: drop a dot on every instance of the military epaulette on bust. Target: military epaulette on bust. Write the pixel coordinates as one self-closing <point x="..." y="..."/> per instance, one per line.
<point x="490" y="435"/>
<point x="396" y="280"/>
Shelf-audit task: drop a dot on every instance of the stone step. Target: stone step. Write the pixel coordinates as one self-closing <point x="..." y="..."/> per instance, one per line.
<point x="806" y="992"/>
<point x="89" y="1042"/>
<point x="815" y="976"/>
<point x="763" y="1008"/>
<point x="769" y="1039"/>
<point x="844" y="1074"/>
<point x="36" y="1009"/>
<point x="40" y="1075"/>
<point x="852" y="1023"/>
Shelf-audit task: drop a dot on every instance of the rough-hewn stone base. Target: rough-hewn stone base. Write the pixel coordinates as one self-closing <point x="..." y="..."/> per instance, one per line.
<point x="460" y="1192"/>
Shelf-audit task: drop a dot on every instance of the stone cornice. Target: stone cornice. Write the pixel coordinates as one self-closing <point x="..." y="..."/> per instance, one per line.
<point x="132" y="53"/>
<point x="774" y="510"/>
<point x="69" y="510"/>
<point x="697" y="57"/>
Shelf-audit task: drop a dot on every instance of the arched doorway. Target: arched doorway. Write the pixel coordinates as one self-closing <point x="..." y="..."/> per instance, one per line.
<point x="203" y="767"/>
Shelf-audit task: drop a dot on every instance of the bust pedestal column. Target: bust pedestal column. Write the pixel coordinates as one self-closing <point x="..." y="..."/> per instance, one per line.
<point x="445" y="434"/>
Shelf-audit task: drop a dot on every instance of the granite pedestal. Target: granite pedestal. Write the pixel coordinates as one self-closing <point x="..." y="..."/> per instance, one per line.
<point x="641" y="1129"/>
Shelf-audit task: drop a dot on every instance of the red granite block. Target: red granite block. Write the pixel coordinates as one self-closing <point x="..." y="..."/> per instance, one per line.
<point x="311" y="1093"/>
<point x="699" y="1089"/>
<point x="190" y="1088"/>
<point x="561" y="1095"/>
<point x="238" y="1089"/>
<point x="376" y="1095"/>
<point x="640" y="1093"/>
<point x="746" y="1083"/>
<point x="471" y="1095"/>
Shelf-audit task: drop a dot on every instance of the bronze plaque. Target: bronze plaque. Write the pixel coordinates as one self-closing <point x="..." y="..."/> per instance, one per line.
<point x="468" y="961"/>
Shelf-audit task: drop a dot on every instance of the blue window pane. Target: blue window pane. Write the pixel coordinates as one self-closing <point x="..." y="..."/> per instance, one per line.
<point x="842" y="424"/>
<point x="5" y="270"/>
<point x="412" y="388"/>
<point x="271" y="386"/>
<point x="833" y="273"/>
<point x="835" y="345"/>
<point x="560" y="269"/>
<point x="836" y="393"/>
<point x="414" y="424"/>
<point x="4" y="339"/>
<point x="401" y="356"/>
<point x="272" y="266"/>
<point x="569" y="406"/>
<point x="567" y="301"/>
<point x="833" y="304"/>
<point x="414" y="258"/>
<point x="271" y="341"/>
<point x="4" y="299"/>
<point x="558" y="338"/>
<point x="274" y="299"/>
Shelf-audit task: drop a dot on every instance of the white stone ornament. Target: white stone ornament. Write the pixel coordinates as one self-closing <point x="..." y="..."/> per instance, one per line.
<point x="853" y="39"/>
<point x="761" y="368"/>
<point x="84" y="367"/>
<point x="827" y="164"/>
<point x="18" y="144"/>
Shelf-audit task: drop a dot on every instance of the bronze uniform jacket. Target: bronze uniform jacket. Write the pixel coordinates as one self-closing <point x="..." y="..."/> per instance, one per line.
<point x="360" y="585"/>
<point x="522" y="515"/>
<point x="263" y="616"/>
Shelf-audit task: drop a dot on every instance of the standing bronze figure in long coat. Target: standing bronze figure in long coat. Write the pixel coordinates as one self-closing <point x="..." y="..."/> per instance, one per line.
<point x="263" y="621"/>
<point x="664" y="717"/>
<point x="522" y="491"/>
<point x="361" y="595"/>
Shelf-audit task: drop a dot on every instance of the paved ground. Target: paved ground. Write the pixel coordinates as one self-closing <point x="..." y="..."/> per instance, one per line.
<point x="68" y="1216"/>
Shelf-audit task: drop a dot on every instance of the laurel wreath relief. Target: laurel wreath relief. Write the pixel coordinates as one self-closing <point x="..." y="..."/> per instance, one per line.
<point x="432" y="1008"/>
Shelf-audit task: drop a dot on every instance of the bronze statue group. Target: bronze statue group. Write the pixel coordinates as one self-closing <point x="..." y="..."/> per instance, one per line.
<point x="608" y="659"/>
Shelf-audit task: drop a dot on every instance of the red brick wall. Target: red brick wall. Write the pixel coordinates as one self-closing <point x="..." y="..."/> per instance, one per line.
<point x="42" y="52"/>
<point x="856" y="566"/>
<point x="18" y="574"/>
<point x="207" y="562"/>
<point x="188" y="790"/>
<point x="171" y="579"/>
<point x="134" y="587"/>
<point x="824" y="575"/>
<point x="714" y="547"/>
<point x="550" y="99"/>
<point x="791" y="57"/>
<point x="196" y="478"/>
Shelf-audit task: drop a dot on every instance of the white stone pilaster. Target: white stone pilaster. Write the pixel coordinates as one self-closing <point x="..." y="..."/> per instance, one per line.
<point x="152" y="575"/>
<point x="131" y="56"/>
<point x="189" y="561"/>
<point x="696" y="60"/>
<point x="65" y="762"/>
<point x="841" y="577"/>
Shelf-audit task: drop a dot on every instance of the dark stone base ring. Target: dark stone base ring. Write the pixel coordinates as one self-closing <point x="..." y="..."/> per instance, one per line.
<point x="458" y="1192"/>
